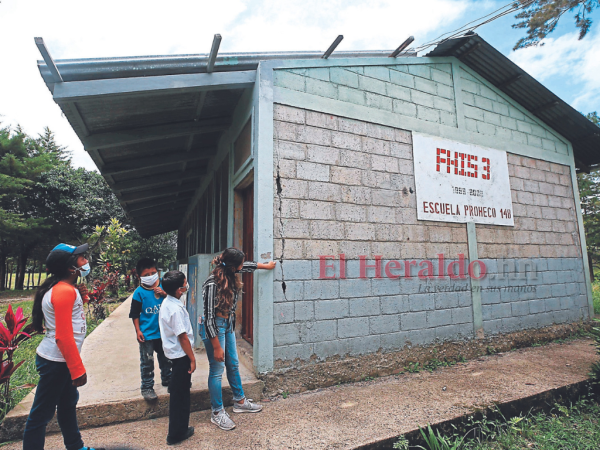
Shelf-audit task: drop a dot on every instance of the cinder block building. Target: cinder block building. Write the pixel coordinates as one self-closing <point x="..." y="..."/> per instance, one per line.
<point x="409" y="200"/>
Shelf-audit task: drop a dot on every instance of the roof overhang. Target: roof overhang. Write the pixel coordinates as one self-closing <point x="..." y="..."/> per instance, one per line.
<point x="152" y="124"/>
<point x="499" y="70"/>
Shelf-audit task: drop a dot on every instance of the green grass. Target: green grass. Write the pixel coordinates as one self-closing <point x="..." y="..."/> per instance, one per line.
<point x="33" y="282"/>
<point x="6" y="295"/>
<point x="574" y="427"/>
<point x="596" y="296"/>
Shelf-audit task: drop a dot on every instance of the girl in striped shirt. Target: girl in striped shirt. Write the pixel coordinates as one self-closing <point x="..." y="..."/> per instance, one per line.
<point x="217" y="330"/>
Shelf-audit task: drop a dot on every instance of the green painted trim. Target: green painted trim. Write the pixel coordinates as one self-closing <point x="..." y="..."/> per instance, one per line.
<point x="245" y="170"/>
<point x="458" y="96"/>
<point x="475" y="285"/>
<point x="357" y="112"/>
<point x="341" y="62"/>
<point x="586" y="265"/>
<point x="263" y="220"/>
<point x="514" y="103"/>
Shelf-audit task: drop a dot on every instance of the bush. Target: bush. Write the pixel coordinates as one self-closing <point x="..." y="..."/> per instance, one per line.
<point x="12" y="333"/>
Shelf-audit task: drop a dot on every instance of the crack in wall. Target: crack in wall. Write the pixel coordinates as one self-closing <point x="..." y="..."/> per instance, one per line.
<point x="281" y="226"/>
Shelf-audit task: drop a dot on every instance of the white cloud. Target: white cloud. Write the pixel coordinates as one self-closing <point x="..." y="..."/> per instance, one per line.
<point x="314" y="24"/>
<point x="569" y="61"/>
<point x="78" y="29"/>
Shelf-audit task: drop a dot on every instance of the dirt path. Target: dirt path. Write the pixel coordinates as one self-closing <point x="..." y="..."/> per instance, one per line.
<point x="344" y="417"/>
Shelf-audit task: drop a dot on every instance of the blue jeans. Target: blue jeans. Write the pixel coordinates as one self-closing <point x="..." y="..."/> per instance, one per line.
<point x="232" y="364"/>
<point x="55" y="392"/>
<point x="147" y="349"/>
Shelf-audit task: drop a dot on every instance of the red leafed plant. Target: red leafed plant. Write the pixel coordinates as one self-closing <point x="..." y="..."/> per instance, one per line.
<point x="11" y="335"/>
<point x="94" y="297"/>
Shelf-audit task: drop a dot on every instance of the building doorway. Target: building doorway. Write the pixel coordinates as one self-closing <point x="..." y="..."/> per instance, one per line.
<point x="248" y="249"/>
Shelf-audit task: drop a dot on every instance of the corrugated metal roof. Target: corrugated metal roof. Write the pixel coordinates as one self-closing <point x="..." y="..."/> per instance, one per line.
<point x="499" y="70"/>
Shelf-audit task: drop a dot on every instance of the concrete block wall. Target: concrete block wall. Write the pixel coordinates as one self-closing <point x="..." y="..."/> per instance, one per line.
<point x="489" y="113"/>
<point x="319" y="318"/>
<point x="422" y="91"/>
<point x="531" y="293"/>
<point x="347" y="186"/>
<point x="544" y="213"/>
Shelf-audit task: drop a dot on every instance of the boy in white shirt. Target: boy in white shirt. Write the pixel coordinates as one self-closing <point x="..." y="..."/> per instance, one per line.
<point x="178" y="343"/>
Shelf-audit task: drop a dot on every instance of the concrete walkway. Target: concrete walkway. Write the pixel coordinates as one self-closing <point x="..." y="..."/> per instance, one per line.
<point x="359" y="414"/>
<point x="112" y="360"/>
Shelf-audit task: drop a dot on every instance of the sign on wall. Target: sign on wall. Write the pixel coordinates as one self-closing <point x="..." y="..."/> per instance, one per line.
<point x="458" y="182"/>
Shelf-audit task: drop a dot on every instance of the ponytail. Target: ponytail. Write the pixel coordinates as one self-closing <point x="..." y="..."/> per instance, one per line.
<point x="37" y="315"/>
<point x="226" y="265"/>
<point x="57" y="274"/>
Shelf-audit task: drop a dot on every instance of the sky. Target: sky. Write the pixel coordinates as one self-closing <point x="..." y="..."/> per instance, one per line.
<point x="80" y="29"/>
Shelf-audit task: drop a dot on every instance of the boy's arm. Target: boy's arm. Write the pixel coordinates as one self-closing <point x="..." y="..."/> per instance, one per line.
<point x="176" y="323"/>
<point x="134" y="313"/>
<point x="187" y="348"/>
<point x="138" y="332"/>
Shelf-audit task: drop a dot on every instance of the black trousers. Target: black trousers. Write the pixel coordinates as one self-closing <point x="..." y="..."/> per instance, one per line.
<point x="179" y="401"/>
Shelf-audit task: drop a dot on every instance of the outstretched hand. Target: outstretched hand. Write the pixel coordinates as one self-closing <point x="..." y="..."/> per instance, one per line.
<point x="267" y="266"/>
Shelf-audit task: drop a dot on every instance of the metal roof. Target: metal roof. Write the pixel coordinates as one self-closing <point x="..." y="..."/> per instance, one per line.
<point x="499" y="70"/>
<point x="152" y="123"/>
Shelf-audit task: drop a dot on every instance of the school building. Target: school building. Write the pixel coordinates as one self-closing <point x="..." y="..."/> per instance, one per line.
<point x="407" y="200"/>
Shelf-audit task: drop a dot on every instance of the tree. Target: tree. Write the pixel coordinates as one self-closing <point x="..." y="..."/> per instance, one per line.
<point x="47" y="142"/>
<point x="589" y="194"/>
<point x="594" y="118"/>
<point x="541" y="17"/>
<point x="162" y="248"/>
<point x="22" y="161"/>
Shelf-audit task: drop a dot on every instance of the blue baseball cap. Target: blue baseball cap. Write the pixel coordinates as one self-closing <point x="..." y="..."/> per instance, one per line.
<point x="71" y="249"/>
<point x="61" y="256"/>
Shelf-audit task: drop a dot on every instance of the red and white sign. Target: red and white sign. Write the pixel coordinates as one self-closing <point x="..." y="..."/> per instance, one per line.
<point x="458" y="182"/>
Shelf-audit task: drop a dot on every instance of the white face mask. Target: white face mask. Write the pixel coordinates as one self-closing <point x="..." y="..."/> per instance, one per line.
<point x="149" y="280"/>
<point x="84" y="270"/>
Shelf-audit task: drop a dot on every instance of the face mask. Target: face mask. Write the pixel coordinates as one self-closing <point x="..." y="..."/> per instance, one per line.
<point x="84" y="270"/>
<point x="150" y="279"/>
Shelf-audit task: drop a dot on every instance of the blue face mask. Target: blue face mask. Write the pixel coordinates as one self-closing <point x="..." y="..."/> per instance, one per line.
<point x="84" y="270"/>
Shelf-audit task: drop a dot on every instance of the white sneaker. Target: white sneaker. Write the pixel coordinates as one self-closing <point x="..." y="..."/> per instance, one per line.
<point x="247" y="407"/>
<point x="222" y="420"/>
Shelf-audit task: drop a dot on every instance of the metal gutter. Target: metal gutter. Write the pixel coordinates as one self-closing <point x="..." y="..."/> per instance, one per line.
<point x="103" y="68"/>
